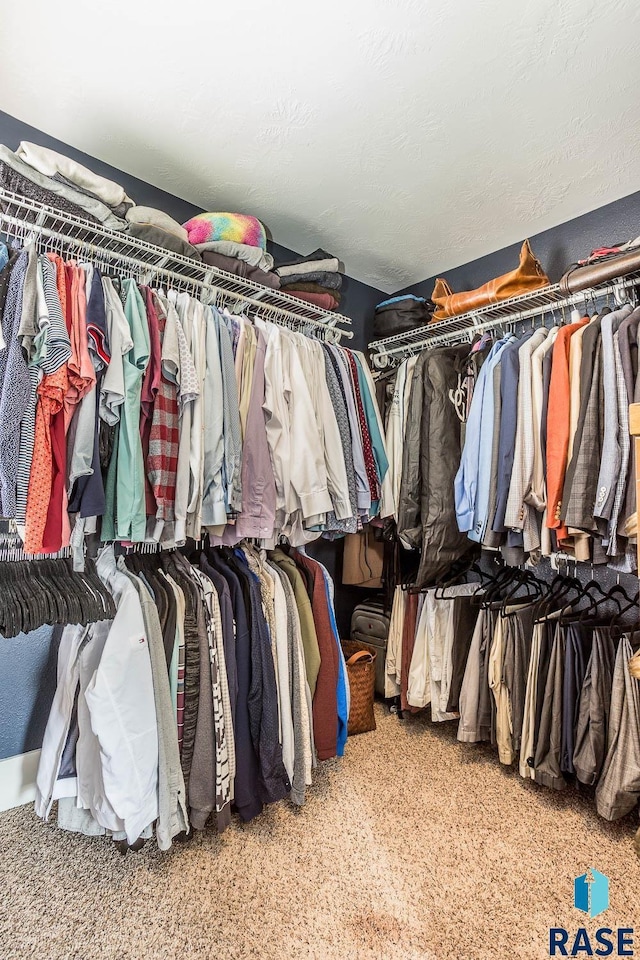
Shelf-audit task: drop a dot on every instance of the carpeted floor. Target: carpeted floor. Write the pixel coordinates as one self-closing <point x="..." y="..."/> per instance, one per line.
<point x="412" y="846"/>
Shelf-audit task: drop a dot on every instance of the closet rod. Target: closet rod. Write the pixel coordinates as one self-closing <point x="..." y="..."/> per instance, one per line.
<point x="22" y="218"/>
<point x="467" y="325"/>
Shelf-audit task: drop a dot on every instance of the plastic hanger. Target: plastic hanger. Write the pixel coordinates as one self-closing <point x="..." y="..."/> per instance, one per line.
<point x="526" y="579"/>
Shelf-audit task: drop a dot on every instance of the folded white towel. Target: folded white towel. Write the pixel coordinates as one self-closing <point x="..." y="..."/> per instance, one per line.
<point x="157" y="218"/>
<point x="50" y="163"/>
<point x="309" y="266"/>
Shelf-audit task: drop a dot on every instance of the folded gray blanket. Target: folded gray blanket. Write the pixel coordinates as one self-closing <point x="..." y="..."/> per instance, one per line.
<point x="254" y="256"/>
<point x="162" y="238"/>
<point x="241" y="268"/>
<point x="333" y="281"/>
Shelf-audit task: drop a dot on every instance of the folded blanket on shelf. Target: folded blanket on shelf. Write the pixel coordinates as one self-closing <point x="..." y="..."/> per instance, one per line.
<point x="322" y="300"/>
<point x="238" y="227"/>
<point x="60" y="196"/>
<point x="51" y="164"/>
<point x="318" y="262"/>
<point x="313" y="288"/>
<point x="157" y="218"/>
<point x="241" y="269"/>
<point x="162" y="238"/>
<point x="331" y="280"/>
<point x="254" y="256"/>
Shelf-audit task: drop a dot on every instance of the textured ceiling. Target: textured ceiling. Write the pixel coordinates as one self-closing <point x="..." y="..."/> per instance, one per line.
<point x="407" y="137"/>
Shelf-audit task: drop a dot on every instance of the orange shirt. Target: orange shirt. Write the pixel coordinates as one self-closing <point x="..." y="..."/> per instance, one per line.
<point x="51" y="394"/>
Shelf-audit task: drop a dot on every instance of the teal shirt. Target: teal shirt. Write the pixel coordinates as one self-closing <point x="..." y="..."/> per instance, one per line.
<point x="131" y="519"/>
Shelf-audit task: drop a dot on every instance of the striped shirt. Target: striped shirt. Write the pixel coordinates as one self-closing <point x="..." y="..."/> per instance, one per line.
<point x="14" y="378"/>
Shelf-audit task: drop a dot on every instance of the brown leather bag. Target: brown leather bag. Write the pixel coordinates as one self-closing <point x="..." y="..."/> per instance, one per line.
<point x="529" y="275"/>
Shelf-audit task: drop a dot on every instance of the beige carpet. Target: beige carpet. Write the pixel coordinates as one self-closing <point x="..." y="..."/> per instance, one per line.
<point x="412" y="846"/>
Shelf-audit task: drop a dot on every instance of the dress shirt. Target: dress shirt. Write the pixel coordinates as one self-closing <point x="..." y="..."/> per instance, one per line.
<point x="536" y="494"/>
<point x="492" y="539"/>
<point x="486" y="437"/>
<point x="363" y="492"/>
<point x="394" y="440"/>
<point x="476" y="455"/>
<point x="214" y="508"/>
<point x="611" y="452"/>
<point x="312" y="358"/>
<point x="518" y="513"/>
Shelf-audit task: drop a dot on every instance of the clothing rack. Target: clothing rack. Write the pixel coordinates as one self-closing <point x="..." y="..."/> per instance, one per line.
<point x="23" y="219"/>
<point x="527" y="306"/>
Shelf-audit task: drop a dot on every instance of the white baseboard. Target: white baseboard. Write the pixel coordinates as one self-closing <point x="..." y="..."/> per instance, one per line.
<point x="18" y="779"/>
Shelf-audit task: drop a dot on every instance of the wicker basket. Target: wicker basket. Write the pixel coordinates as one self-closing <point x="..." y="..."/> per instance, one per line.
<point x="361" y="668"/>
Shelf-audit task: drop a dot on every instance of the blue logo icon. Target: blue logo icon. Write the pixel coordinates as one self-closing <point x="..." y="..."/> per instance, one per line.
<point x="591" y="892"/>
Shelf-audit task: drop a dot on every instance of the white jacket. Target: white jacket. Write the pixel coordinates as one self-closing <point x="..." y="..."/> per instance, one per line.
<point x="48" y="787"/>
<point x="122" y="708"/>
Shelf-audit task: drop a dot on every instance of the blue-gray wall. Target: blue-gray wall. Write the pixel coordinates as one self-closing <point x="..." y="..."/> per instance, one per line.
<point x="556" y="249"/>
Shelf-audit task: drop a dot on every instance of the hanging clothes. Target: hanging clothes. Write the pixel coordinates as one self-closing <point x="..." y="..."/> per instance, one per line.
<point x="104" y="386"/>
<point x="543" y="461"/>
<point x="179" y="740"/>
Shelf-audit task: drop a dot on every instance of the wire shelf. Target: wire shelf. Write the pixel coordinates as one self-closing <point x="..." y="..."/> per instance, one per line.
<point x="22" y="219"/>
<point x="526" y="306"/>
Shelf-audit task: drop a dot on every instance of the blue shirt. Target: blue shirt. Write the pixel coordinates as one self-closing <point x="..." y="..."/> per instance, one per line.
<point x="465" y="483"/>
<point x="474" y="476"/>
<point x="341" y="689"/>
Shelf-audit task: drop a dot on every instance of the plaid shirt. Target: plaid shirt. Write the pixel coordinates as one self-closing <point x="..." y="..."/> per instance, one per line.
<point x="164" y="439"/>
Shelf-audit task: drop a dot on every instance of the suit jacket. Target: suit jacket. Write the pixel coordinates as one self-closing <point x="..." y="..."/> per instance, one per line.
<point x="614" y="546"/>
<point x="581" y="479"/>
<point x="611" y="453"/>
<point x="628" y="343"/>
<point x="558" y="426"/>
